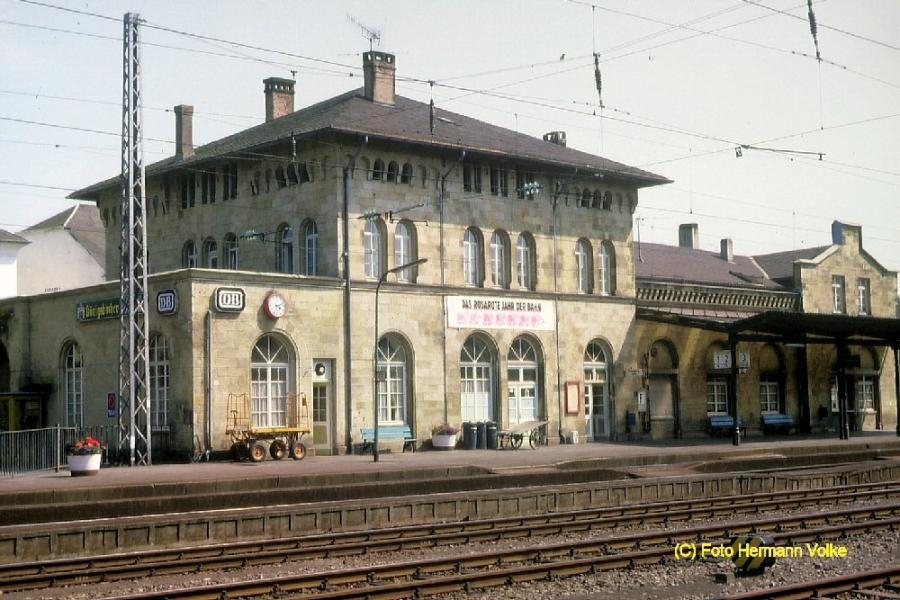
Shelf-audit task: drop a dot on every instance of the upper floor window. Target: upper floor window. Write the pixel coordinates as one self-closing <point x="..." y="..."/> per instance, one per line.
<point x="231" y="251"/>
<point x="499" y="183"/>
<point x="607" y="268"/>
<point x="471" y="177"/>
<point x="230" y="181"/>
<point x="292" y="174"/>
<point x="188" y="190"/>
<point x="473" y="253"/>
<point x="500" y="259"/>
<point x="210" y="254"/>
<point x="373" y="249"/>
<point x="864" y="296"/>
<point x="404" y="250"/>
<point x="189" y="255"/>
<point x="839" y="294"/>
<point x="406" y="173"/>
<point x="284" y="244"/>
<point x="525" y="260"/>
<point x="393" y="172"/>
<point x="208" y="187"/>
<point x="280" y="180"/>
<point x="378" y="170"/>
<point x="311" y="248"/>
<point x="584" y="270"/>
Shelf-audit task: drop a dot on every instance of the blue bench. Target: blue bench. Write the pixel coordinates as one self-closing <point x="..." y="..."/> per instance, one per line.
<point x="388" y="432"/>
<point x="720" y="425"/>
<point x="777" y="422"/>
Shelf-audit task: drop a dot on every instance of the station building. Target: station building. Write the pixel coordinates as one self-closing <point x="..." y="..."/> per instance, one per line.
<point x="276" y="260"/>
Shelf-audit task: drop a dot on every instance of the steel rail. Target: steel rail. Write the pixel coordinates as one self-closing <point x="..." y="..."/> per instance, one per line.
<point x="823" y="587"/>
<point x="459" y="574"/>
<point x="234" y="556"/>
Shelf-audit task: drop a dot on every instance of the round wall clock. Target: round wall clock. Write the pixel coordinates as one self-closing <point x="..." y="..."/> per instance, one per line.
<point x="274" y="305"/>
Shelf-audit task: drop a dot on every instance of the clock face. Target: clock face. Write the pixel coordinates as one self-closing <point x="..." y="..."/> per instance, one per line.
<point x="275" y="305"/>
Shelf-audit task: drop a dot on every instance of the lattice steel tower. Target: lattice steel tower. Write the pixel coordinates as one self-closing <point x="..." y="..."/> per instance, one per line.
<point x="134" y="374"/>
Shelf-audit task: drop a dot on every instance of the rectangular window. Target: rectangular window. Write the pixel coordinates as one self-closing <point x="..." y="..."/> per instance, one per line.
<point x="768" y="396"/>
<point x="499" y="184"/>
<point x="208" y="191"/>
<point x="188" y="191"/>
<point x="320" y="403"/>
<point x="838" y="291"/>
<point x="864" y="296"/>
<point x="865" y="392"/>
<point x="472" y="178"/>
<point x="717" y="395"/>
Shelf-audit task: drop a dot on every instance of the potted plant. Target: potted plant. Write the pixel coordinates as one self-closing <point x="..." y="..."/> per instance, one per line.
<point x="443" y="436"/>
<point x="84" y="457"/>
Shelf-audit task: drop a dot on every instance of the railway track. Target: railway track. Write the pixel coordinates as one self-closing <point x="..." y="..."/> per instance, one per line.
<point x="480" y="570"/>
<point x="24" y="576"/>
<point x="887" y="579"/>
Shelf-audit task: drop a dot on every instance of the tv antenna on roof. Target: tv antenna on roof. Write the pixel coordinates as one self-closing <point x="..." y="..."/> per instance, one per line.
<point x="373" y="35"/>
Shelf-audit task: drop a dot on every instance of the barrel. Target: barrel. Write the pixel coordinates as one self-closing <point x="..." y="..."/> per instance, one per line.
<point x="492" y="437"/>
<point x="470" y="432"/>
<point x="482" y="435"/>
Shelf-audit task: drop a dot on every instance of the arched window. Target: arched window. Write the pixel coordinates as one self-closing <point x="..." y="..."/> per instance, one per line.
<point x="406" y="174"/>
<point x="271" y="365"/>
<point x="158" y="363"/>
<point x="522" y="377"/>
<point x="405" y="250"/>
<point x="378" y="170"/>
<point x="476" y="375"/>
<point x="585" y="198"/>
<point x="771" y="378"/>
<point x="231" y="251"/>
<point x="280" y="181"/>
<point x="473" y="257"/>
<point x="393" y="172"/>
<point x="373" y="248"/>
<point x="500" y="259"/>
<point x="607" y="268"/>
<point x="584" y="267"/>
<point x="597" y="199"/>
<point x="393" y="381"/>
<point x="304" y="173"/>
<point x="525" y="261"/>
<point x="311" y="248"/>
<point x="292" y="174"/>
<point x="72" y="368"/>
<point x="596" y="391"/>
<point x="189" y="255"/>
<point x="210" y="254"/>
<point x="284" y="248"/>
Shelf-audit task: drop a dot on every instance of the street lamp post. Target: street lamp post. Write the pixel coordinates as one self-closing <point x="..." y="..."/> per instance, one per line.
<point x="375" y="354"/>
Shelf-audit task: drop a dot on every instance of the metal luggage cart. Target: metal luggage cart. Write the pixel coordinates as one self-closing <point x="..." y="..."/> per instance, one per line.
<point x="251" y="441"/>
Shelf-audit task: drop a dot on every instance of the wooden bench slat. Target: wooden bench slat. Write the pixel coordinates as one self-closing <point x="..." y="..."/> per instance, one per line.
<point x="388" y="432"/>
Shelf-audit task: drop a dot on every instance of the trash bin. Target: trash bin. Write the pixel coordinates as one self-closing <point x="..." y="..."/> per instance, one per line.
<point x="470" y="433"/>
<point x="482" y="435"/>
<point x="630" y="422"/>
<point x="572" y="437"/>
<point x="492" y="435"/>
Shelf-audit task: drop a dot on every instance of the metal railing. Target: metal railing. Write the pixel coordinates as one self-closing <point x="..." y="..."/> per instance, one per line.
<point x="32" y="450"/>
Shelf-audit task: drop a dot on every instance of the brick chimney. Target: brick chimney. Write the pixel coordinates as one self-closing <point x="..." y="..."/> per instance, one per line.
<point x="689" y="235"/>
<point x="379" y="69"/>
<point x="726" y="252"/>
<point x="279" y="97"/>
<point x="184" y="131"/>
<point x="556" y="137"/>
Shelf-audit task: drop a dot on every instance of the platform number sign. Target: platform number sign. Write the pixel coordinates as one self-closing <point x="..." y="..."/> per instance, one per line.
<point x="229" y="299"/>
<point x="112" y="405"/>
<point x="167" y="302"/>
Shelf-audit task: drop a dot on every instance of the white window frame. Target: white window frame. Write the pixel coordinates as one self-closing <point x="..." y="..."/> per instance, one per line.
<point x="231" y="252"/>
<point x="864" y="295"/>
<point x="73" y="384"/>
<point x="285" y="248"/>
<point x="472" y="258"/>
<point x="372" y="249"/>
<point x="583" y="268"/>
<point x="476" y="373"/>
<point x="311" y="248"/>
<point x="158" y="363"/>
<point x="716" y="395"/>
<point x="393" y="382"/>
<point x="839" y="294"/>
<point x="499" y="262"/>
<point x="270" y="381"/>
<point x="403" y="250"/>
<point x="865" y="392"/>
<point x="769" y="395"/>
<point x="606" y="269"/>
<point x="525" y="262"/>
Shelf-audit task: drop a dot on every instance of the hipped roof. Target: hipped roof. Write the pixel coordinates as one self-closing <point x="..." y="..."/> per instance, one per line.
<point x="406" y="121"/>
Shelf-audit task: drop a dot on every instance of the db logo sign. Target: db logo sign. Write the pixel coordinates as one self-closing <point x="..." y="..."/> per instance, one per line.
<point x="167" y="302"/>
<point x="229" y="299"/>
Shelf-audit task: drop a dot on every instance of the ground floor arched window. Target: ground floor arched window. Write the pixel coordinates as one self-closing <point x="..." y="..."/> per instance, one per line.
<point x="522" y="375"/>
<point x="271" y="365"/>
<point x="476" y="374"/>
<point x="73" y="384"/>
<point x="596" y="391"/>
<point x="393" y="381"/>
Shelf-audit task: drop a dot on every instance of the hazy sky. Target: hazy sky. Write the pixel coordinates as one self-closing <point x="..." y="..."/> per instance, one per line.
<point x="684" y="83"/>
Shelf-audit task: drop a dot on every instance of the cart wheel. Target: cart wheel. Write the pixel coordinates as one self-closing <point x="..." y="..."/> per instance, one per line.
<point x="534" y="439"/>
<point x="298" y="451"/>
<point x="257" y="452"/>
<point x="515" y="441"/>
<point x="277" y="449"/>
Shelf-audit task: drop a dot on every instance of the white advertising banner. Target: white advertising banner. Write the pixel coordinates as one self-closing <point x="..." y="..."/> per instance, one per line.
<point x="481" y="312"/>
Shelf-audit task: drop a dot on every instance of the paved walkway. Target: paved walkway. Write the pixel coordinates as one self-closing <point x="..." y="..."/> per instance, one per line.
<point x="636" y="452"/>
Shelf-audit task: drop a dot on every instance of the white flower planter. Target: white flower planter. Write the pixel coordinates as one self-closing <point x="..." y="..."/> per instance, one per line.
<point x="443" y="442"/>
<point x="84" y="464"/>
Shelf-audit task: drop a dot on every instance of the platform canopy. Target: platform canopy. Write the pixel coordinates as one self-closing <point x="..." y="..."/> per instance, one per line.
<point x="787" y="327"/>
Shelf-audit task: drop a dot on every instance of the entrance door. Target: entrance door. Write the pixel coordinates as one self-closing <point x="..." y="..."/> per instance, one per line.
<point x="322" y="406"/>
<point x="596" y="392"/>
<point x="522" y="377"/>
